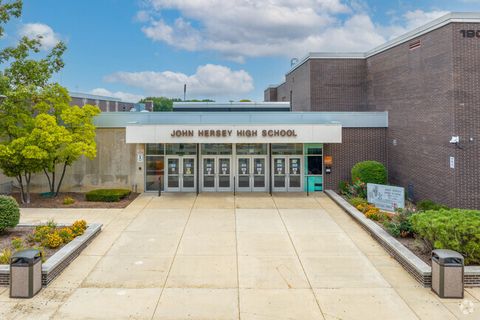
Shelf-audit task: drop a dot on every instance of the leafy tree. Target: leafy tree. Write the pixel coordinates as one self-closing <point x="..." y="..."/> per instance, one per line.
<point x="38" y="128"/>
<point x="245" y="100"/>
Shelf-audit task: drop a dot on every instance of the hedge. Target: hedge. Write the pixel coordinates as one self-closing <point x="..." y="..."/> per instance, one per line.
<point x="9" y="213"/>
<point x="107" y="195"/>
<point x="425" y="205"/>
<point x="370" y="172"/>
<point x="455" y="229"/>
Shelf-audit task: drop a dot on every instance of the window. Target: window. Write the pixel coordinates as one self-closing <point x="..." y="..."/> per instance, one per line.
<point x="181" y="149"/>
<point x="216" y="148"/>
<point x="314" y="165"/>
<point x="251" y="148"/>
<point x="287" y="149"/>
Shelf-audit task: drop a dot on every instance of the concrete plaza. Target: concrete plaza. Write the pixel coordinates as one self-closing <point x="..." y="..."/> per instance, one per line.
<point x="217" y="256"/>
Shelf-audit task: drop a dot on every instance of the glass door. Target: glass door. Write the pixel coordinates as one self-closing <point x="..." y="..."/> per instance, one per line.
<point x="294" y="173"/>
<point x="188" y="177"/>
<point x="259" y="174"/>
<point x="279" y="174"/>
<point x="209" y="174"/>
<point x="173" y="176"/>
<point x="224" y="174"/>
<point x="243" y="174"/>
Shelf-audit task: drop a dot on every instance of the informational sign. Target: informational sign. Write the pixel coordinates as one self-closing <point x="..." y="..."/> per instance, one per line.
<point x="386" y="197"/>
<point x="452" y="162"/>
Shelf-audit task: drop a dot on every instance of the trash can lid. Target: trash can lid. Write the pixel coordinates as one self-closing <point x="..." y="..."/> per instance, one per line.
<point x="444" y="254"/>
<point x="26" y="254"/>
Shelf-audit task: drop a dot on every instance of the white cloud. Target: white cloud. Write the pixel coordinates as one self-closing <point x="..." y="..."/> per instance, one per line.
<point x="292" y="28"/>
<point x="208" y="81"/>
<point x="48" y="37"/>
<point x="124" y="96"/>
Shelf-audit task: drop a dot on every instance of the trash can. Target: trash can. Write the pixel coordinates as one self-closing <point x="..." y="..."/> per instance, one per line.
<point x="447" y="273"/>
<point x="25" y="273"/>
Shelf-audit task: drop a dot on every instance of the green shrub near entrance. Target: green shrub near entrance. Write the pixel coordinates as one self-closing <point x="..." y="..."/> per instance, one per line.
<point x="9" y="213"/>
<point x="425" y="205"/>
<point x="107" y="195"/>
<point x="454" y="229"/>
<point x="369" y="172"/>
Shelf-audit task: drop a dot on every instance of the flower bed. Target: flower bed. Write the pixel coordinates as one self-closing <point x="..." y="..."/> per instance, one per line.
<point x="56" y="259"/>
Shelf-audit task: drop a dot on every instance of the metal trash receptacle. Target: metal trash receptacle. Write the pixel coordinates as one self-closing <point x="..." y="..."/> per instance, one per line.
<point x="25" y="273"/>
<point x="447" y="273"/>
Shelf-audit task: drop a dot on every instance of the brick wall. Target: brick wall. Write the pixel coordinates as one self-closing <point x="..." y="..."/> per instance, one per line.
<point x="270" y="94"/>
<point x="358" y="144"/>
<point x="338" y="85"/>
<point x="466" y="76"/>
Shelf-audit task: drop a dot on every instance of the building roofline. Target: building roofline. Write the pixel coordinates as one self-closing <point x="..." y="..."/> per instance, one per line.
<point x="93" y="96"/>
<point x="464" y="17"/>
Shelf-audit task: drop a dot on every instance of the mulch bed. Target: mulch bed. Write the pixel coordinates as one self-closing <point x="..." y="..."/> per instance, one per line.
<point x="37" y="201"/>
<point x="21" y="232"/>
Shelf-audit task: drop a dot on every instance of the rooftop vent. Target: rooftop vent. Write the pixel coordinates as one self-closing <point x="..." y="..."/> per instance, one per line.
<point x="414" y="45"/>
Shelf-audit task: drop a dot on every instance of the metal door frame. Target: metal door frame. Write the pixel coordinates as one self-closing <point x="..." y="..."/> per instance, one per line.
<point x="287" y="187"/>
<point x="216" y="175"/>
<point x="180" y="174"/>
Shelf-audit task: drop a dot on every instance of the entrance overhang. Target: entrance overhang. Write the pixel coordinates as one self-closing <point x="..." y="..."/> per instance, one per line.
<point x="202" y="133"/>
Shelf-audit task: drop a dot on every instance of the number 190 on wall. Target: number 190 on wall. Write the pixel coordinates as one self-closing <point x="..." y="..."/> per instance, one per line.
<point x="470" y="33"/>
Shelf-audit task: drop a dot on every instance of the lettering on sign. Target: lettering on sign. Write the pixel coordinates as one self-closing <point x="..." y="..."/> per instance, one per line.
<point x="239" y="133"/>
<point x="386" y="197"/>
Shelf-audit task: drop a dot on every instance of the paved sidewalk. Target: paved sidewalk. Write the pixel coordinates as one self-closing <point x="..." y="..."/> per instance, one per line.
<point x="216" y="256"/>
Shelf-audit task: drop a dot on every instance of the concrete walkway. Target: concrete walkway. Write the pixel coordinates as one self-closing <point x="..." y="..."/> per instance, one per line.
<point x="222" y="257"/>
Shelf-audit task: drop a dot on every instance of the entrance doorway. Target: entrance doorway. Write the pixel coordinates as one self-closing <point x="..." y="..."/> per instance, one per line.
<point x="251" y="173"/>
<point x="287" y="173"/>
<point x="217" y="173"/>
<point x="180" y="174"/>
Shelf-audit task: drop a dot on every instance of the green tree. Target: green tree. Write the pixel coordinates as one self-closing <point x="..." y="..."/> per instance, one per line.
<point x="38" y="129"/>
<point x="161" y="103"/>
<point x="245" y="100"/>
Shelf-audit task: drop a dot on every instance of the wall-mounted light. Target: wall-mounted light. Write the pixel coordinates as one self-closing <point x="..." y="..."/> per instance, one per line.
<point x="328" y="161"/>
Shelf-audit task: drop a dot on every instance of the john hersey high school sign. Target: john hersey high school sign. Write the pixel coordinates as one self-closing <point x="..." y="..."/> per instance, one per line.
<point x="304" y="133"/>
<point x="239" y="133"/>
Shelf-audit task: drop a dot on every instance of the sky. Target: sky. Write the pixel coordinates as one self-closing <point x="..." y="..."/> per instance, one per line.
<point x="222" y="49"/>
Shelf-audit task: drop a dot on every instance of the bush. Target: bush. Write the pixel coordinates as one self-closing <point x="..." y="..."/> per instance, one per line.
<point x="399" y="224"/>
<point x="343" y="187"/>
<point x="40" y="233"/>
<point x="17" y="243"/>
<point x="455" y="229"/>
<point x="107" y="195"/>
<point x="369" y="172"/>
<point x="356" y="201"/>
<point x="5" y="256"/>
<point x="9" y="213"/>
<point x="68" y="201"/>
<point x="426" y="205"/>
<point x="53" y="240"/>
<point x="66" y="234"/>
<point x="79" y="227"/>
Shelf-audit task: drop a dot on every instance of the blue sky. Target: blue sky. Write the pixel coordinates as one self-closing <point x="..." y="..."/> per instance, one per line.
<point x="222" y="49"/>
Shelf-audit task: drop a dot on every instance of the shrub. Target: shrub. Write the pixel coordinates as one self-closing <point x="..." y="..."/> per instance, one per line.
<point x="40" y="233"/>
<point x="9" y="213"/>
<point x="5" y="256"/>
<point x="455" y="229"/>
<point x="79" y="227"/>
<point x="68" y="201"/>
<point x="369" y="172"/>
<point x="17" y="243"/>
<point x="66" y="234"/>
<point x="53" y="240"/>
<point x="107" y="195"/>
<point x="358" y="189"/>
<point x="425" y="205"/>
<point x="343" y="187"/>
<point x="399" y="224"/>
<point x="356" y="201"/>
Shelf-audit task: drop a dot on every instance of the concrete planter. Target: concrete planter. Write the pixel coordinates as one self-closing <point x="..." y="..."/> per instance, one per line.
<point x="61" y="259"/>
<point x="421" y="271"/>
